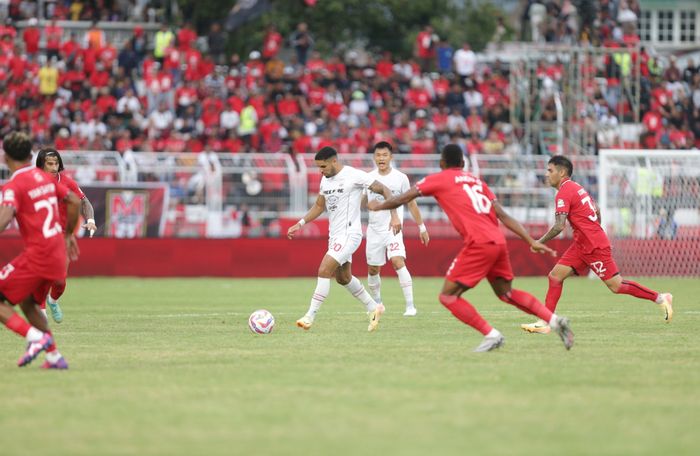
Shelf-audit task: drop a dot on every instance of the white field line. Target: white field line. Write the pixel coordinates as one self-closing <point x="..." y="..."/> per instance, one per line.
<point x="398" y="311"/>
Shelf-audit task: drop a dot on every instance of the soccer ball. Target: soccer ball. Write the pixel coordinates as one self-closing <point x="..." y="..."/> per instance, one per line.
<point x="261" y="322"/>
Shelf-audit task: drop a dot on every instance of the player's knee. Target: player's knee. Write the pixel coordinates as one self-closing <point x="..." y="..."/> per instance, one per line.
<point x="398" y="263"/>
<point x="343" y="279"/>
<point x="373" y="270"/>
<point x="447" y="300"/>
<point x="554" y="277"/>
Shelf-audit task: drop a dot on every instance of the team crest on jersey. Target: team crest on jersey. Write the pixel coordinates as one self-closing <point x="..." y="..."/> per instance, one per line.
<point x="332" y="202"/>
<point x="560" y="203"/>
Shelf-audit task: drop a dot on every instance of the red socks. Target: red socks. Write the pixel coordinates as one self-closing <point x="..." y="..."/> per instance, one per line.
<point x="527" y="303"/>
<point x="553" y="293"/>
<point x="57" y="290"/>
<point x="466" y="313"/>
<point x="18" y="325"/>
<point x="629" y="287"/>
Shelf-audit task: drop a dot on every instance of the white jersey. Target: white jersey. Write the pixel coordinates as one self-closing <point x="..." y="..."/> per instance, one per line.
<point x="397" y="183"/>
<point x="343" y="194"/>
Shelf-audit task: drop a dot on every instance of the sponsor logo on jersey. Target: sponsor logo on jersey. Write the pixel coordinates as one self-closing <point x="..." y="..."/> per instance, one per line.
<point x="560" y="203"/>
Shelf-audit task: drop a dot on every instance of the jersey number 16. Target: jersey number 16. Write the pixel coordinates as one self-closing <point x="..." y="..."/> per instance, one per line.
<point x="481" y="203"/>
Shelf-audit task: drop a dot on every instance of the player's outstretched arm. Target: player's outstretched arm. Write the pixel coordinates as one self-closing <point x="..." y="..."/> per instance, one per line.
<point x="394" y="202"/>
<point x="415" y="213"/>
<point x="313" y="213"/>
<point x="7" y="213"/>
<point x="378" y="187"/>
<point x="558" y="227"/>
<point x="88" y="213"/>
<point x="517" y="228"/>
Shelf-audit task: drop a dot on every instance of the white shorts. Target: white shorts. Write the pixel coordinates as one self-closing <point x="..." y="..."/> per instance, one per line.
<point x="381" y="246"/>
<point x="341" y="248"/>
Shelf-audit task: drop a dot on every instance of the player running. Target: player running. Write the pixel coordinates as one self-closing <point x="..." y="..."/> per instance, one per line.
<point x="591" y="247"/>
<point x="341" y="195"/>
<point x="382" y="243"/>
<point x="474" y="212"/>
<point x="31" y="196"/>
<point x="49" y="160"/>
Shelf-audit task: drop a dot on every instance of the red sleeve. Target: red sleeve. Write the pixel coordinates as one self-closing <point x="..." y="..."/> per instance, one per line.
<point x="428" y="185"/>
<point x="61" y="191"/>
<point x="562" y="201"/>
<point x="73" y="187"/>
<point x="8" y="196"/>
<point x="488" y="193"/>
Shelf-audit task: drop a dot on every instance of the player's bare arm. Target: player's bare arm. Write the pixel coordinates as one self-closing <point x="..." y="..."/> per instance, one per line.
<point x="394" y="202"/>
<point x="378" y="187"/>
<point x="558" y="227"/>
<point x="88" y="213"/>
<point x="313" y="213"/>
<point x="415" y="213"/>
<point x="517" y="228"/>
<point x="7" y="213"/>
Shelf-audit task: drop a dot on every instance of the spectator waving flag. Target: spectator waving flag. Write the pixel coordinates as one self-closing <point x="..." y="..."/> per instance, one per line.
<point x="244" y="11"/>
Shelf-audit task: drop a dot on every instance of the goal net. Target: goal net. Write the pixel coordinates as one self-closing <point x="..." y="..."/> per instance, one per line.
<point x="650" y="208"/>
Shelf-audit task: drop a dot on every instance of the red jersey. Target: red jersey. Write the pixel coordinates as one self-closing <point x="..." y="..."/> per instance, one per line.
<point x="574" y="201"/>
<point x="62" y="206"/>
<point x="34" y="195"/>
<point x="467" y="201"/>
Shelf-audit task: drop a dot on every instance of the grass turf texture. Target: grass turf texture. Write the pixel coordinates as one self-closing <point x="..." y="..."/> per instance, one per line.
<point x="170" y="367"/>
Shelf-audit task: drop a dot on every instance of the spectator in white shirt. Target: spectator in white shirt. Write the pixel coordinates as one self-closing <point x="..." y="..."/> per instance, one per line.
<point x="465" y="62"/>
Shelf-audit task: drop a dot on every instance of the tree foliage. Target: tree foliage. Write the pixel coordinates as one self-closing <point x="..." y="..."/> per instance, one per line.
<point x="376" y="24"/>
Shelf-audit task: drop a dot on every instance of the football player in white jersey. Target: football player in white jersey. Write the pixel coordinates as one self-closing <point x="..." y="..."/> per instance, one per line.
<point x="341" y="195"/>
<point x="382" y="243"/>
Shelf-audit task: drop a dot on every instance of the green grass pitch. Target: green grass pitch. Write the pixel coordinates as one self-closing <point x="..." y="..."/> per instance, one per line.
<point x="170" y="367"/>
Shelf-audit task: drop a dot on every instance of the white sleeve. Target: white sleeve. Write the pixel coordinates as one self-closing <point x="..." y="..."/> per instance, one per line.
<point x="363" y="179"/>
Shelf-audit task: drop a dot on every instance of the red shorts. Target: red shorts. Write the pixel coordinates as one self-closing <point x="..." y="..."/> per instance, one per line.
<point x="18" y="281"/>
<point x="599" y="260"/>
<point x="477" y="261"/>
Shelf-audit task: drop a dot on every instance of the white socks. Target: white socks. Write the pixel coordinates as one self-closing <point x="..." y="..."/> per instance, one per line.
<point x="323" y="286"/>
<point x="358" y="291"/>
<point x="553" y="323"/>
<point x="53" y="356"/>
<point x="406" y="286"/>
<point x="493" y="333"/>
<point x="374" y="283"/>
<point x="34" y="335"/>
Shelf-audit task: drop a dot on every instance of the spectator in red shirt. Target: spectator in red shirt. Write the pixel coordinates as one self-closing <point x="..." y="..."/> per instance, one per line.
<point x="31" y="37"/>
<point x="54" y="35"/>
<point x="425" y="48"/>
<point x="271" y="43"/>
<point x="186" y="36"/>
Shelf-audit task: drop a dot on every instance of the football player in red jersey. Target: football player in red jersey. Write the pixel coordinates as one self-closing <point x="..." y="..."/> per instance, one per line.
<point x="591" y="247"/>
<point x="31" y="196"/>
<point x="49" y="160"/>
<point x="474" y="212"/>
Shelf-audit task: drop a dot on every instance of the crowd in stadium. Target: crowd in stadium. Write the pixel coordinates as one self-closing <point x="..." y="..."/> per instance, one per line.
<point x="163" y="94"/>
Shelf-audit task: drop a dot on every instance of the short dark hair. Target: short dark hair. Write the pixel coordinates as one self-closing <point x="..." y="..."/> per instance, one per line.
<point x="453" y="156"/>
<point x="326" y="153"/>
<point x="17" y="146"/>
<point x="382" y="145"/>
<point x="48" y="152"/>
<point x="561" y="161"/>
